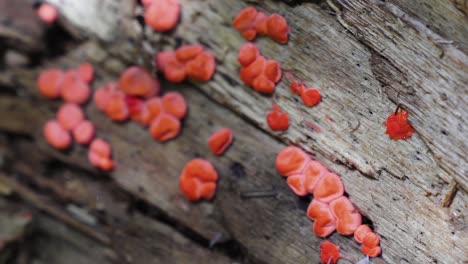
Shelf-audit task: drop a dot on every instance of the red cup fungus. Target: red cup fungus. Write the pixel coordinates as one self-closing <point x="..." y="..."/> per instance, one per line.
<point x="137" y="81"/>
<point x="174" y="103"/>
<point x="398" y="126"/>
<point x="56" y="135"/>
<point x="165" y="127"/>
<point x="291" y="160"/>
<point x="74" y="89"/>
<point x="83" y="133"/>
<point x="189" y="61"/>
<point x="198" y="180"/>
<point x="329" y="252"/>
<point x="70" y="115"/>
<point x="324" y="221"/>
<point x="256" y="71"/>
<point x="49" y="82"/>
<point x="277" y="120"/>
<point x="86" y="72"/>
<point x="250" y="22"/>
<point x="100" y="154"/>
<point x="47" y="13"/>
<point x="328" y="188"/>
<point x="347" y="218"/>
<point x="162" y="15"/>
<point x="220" y="140"/>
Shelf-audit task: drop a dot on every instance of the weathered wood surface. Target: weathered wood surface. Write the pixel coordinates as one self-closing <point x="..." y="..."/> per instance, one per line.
<point x="366" y="57"/>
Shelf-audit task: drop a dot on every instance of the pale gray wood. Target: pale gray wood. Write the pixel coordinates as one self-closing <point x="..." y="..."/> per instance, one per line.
<point x="366" y="57"/>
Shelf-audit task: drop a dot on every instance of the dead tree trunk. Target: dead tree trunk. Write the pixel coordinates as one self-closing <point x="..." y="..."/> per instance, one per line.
<point x="367" y="56"/>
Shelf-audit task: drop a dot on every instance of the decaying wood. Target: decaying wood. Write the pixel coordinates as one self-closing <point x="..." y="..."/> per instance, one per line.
<point x="365" y="56"/>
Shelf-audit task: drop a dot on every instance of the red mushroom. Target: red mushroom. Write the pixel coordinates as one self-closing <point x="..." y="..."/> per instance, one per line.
<point x="329" y="188"/>
<point x="137" y="81"/>
<point x="74" y="89"/>
<point x="70" y="115"/>
<point x="248" y="52"/>
<point x="83" y="133"/>
<point x="49" y="82"/>
<point x="291" y="160"/>
<point x="220" y="140"/>
<point x="99" y="154"/>
<point x="329" y="252"/>
<point x="311" y="97"/>
<point x="86" y="72"/>
<point x="174" y="103"/>
<point x="47" y="13"/>
<point x="398" y="126"/>
<point x="277" y="120"/>
<point x="296" y="183"/>
<point x="165" y="127"/>
<point x="56" y="135"/>
<point x="361" y="232"/>
<point x="102" y="95"/>
<point x="198" y="180"/>
<point x="347" y="218"/>
<point x="162" y="15"/>
<point x="313" y="173"/>
<point x="324" y="221"/>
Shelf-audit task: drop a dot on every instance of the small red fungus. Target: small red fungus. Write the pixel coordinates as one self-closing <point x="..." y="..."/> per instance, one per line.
<point x="313" y="173"/>
<point x="162" y="15"/>
<point x="371" y="252"/>
<point x="347" y="218"/>
<point x="49" y="82"/>
<point x="102" y="95"/>
<point x="278" y="28"/>
<point x="116" y="107"/>
<point x="86" y="72"/>
<point x="155" y="108"/>
<point x="188" y="52"/>
<point x="256" y="71"/>
<point x="174" y="104"/>
<point x="297" y="87"/>
<point x="202" y="67"/>
<point x="100" y="154"/>
<point x="248" y="52"/>
<point x="311" y="97"/>
<point x="252" y="71"/>
<point x="370" y="245"/>
<point x="220" y="140"/>
<point x="56" y="135"/>
<point x="324" y="221"/>
<point x="250" y="22"/>
<point x="70" y="115"/>
<point x="47" y="13"/>
<point x="329" y="188"/>
<point x="165" y="127"/>
<point x="83" y="133"/>
<point x="137" y="81"/>
<point x="398" y="126"/>
<point x="74" y="89"/>
<point x="361" y="232"/>
<point x="137" y="109"/>
<point x="187" y="61"/>
<point x="244" y="22"/>
<point x="329" y="252"/>
<point x="291" y="160"/>
<point x="277" y="120"/>
<point x="198" y="180"/>
<point x="296" y="183"/>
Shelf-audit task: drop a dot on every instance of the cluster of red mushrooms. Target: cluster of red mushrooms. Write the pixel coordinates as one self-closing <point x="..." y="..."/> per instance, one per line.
<point x="329" y="209"/>
<point x="136" y="96"/>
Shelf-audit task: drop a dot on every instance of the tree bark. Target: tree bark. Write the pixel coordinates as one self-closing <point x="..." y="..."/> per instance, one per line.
<point x="365" y="56"/>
